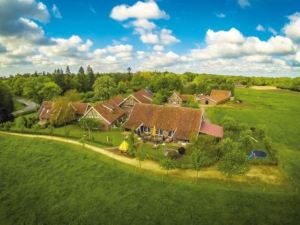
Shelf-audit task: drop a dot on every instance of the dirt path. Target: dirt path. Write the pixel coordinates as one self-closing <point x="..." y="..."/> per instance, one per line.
<point x="264" y="88"/>
<point x="267" y="174"/>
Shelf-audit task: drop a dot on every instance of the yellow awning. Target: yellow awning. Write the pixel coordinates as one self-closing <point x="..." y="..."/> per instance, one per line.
<point x="123" y="146"/>
<point x="154" y="131"/>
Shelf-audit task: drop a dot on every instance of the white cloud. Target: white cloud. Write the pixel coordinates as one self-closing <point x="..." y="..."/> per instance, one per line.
<point x="219" y="37"/>
<point x="149" y="38"/>
<point x="24" y="47"/>
<point x="140" y="10"/>
<point x="17" y="19"/>
<point x="166" y="37"/>
<point x="292" y="29"/>
<point x="260" y="27"/>
<point x="272" y="31"/>
<point x="221" y="15"/>
<point x="158" y="48"/>
<point x="56" y="12"/>
<point x="144" y="24"/>
<point x="232" y="44"/>
<point x="142" y="13"/>
<point x="244" y="3"/>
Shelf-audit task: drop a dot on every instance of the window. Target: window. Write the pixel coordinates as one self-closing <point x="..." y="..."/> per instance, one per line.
<point x="160" y="132"/>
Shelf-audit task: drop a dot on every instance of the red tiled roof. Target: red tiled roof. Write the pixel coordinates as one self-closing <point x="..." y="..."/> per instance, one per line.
<point x="143" y="96"/>
<point x="220" y="95"/>
<point x="211" y="129"/>
<point x="45" y="110"/>
<point x="110" y="111"/>
<point x="80" y="107"/>
<point x="184" y="121"/>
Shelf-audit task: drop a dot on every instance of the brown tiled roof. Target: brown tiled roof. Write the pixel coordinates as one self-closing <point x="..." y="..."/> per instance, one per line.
<point x="184" y="121"/>
<point x="143" y="96"/>
<point x="186" y="98"/>
<point x="45" y="110"/>
<point x="110" y="111"/>
<point x="211" y="129"/>
<point x="220" y="95"/>
<point x="80" y="107"/>
<point x="117" y="99"/>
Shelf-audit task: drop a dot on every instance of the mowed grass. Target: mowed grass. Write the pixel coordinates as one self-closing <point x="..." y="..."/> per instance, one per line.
<point x="279" y="112"/>
<point x="45" y="182"/>
<point x="100" y="138"/>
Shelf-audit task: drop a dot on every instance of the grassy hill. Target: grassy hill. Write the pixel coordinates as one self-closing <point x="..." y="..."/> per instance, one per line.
<point x="44" y="182"/>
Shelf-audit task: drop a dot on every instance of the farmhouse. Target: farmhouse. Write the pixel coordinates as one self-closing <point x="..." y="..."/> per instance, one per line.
<point x="141" y="96"/>
<point x="215" y="97"/>
<point x="170" y="123"/>
<point x="46" y="110"/>
<point x="108" y="113"/>
<point x="177" y="99"/>
<point x="80" y="108"/>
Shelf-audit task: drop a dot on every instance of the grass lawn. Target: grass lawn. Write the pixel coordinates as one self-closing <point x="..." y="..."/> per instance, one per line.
<point x="101" y="138"/>
<point x="279" y="111"/>
<point x="45" y="182"/>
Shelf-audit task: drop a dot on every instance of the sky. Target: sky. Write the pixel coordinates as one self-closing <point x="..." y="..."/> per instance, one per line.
<point x="234" y="37"/>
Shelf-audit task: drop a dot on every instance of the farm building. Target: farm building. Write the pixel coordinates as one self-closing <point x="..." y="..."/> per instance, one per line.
<point x="46" y="110"/>
<point x="170" y="123"/>
<point x="108" y="113"/>
<point x="141" y="96"/>
<point x="177" y="99"/>
<point x="215" y="97"/>
<point x="80" y="108"/>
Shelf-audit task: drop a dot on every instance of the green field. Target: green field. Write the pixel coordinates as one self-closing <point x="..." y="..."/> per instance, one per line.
<point x="279" y="112"/>
<point x="45" y="182"/>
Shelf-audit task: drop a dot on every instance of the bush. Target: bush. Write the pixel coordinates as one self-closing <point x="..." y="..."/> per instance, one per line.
<point x="21" y="122"/>
<point x="270" y="148"/>
<point x="7" y="125"/>
<point x="233" y="163"/>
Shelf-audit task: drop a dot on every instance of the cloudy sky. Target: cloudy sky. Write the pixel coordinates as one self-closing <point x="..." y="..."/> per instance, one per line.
<point x="249" y="37"/>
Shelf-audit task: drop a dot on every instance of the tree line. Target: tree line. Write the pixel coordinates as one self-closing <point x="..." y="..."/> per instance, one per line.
<point x="95" y="87"/>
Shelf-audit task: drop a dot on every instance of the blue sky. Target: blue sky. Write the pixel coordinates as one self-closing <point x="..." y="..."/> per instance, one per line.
<point x="189" y="19"/>
<point x="250" y="37"/>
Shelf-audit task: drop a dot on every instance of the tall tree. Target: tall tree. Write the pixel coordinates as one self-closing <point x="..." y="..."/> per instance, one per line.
<point x="105" y="87"/>
<point x="68" y="71"/>
<point x="82" y="80"/>
<point x="49" y="91"/>
<point x="129" y="70"/>
<point x="81" y="71"/>
<point x="199" y="159"/>
<point x="6" y="103"/>
<point x="91" y="77"/>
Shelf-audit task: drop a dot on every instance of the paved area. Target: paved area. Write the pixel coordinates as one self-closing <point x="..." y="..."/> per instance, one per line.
<point x="29" y="107"/>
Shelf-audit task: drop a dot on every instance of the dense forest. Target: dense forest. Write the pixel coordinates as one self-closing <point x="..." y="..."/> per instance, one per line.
<point x="93" y="87"/>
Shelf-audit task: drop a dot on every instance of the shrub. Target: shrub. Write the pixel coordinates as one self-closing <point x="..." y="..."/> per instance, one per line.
<point x="233" y="163"/>
<point x="167" y="164"/>
<point x="270" y="148"/>
<point x="7" y="125"/>
<point x="21" y="122"/>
